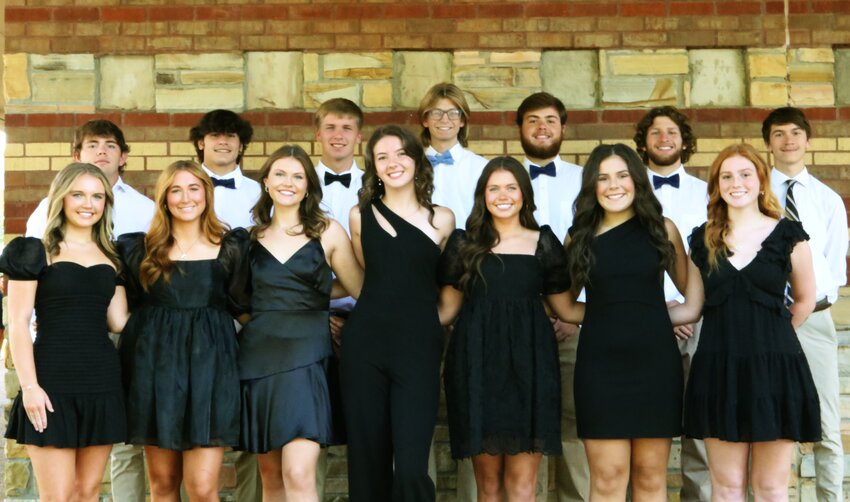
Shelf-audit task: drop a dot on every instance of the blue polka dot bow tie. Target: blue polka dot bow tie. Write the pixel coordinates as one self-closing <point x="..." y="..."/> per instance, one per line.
<point x="441" y="158"/>
<point x="660" y="181"/>
<point x="547" y="170"/>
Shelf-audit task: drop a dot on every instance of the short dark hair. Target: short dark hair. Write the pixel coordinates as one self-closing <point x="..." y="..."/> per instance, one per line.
<point x="99" y="128"/>
<point x="222" y="121"/>
<point x="689" y="141"/>
<point x="538" y="101"/>
<point x="785" y="115"/>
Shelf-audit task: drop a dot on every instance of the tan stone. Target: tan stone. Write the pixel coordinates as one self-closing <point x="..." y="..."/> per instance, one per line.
<point x="14" y="150"/>
<point x="126" y="82"/>
<point x="181" y="149"/>
<point x="572" y="76"/>
<point x="58" y="163"/>
<point x="317" y="93"/>
<point x="416" y="72"/>
<point x="705" y="145"/>
<point x="62" y="62"/>
<point x="768" y="94"/>
<point x="211" y="77"/>
<point x="647" y="62"/>
<point x="515" y="57"/>
<point x="527" y="77"/>
<point x="822" y="144"/>
<point x="360" y="73"/>
<point x="639" y="91"/>
<point x="23" y="108"/>
<point x="201" y="99"/>
<point x="17" y="478"/>
<point x="469" y="58"/>
<point x="701" y="159"/>
<point x="218" y="61"/>
<point x="378" y="95"/>
<point x="149" y="148"/>
<point x="158" y="163"/>
<point x="762" y="64"/>
<point x="814" y="55"/>
<point x="813" y="72"/>
<point x="72" y="108"/>
<point x="363" y="65"/>
<point x="311" y="67"/>
<point x="832" y="158"/>
<point x="484" y="76"/>
<point x="718" y="78"/>
<point x="496" y="98"/>
<point x="63" y="86"/>
<point x="16" y="84"/>
<point x="812" y="95"/>
<point x="47" y="149"/>
<point x="487" y="147"/>
<point x="284" y="91"/>
<point x="580" y="146"/>
<point x="13" y="449"/>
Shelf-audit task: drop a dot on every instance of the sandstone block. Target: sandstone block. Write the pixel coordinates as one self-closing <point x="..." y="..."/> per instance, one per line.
<point x="211" y="77"/>
<point x="812" y="72"/>
<point x="372" y="65"/>
<point x="317" y="93"/>
<point x="218" y="61"/>
<point x="762" y="63"/>
<point x="572" y="76"/>
<point x="378" y="95"/>
<point x="515" y="57"/>
<point x="768" y="94"/>
<point x="27" y="164"/>
<point x="416" y="72"/>
<point x="47" y="149"/>
<point x="487" y="147"/>
<point x="822" y="144"/>
<point x="311" y="67"/>
<point x="842" y="76"/>
<point x="14" y="150"/>
<point x="16" y="81"/>
<point x="13" y="449"/>
<point x="832" y="158"/>
<point x="581" y="146"/>
<point x="645" y="62"/>
<point x="814" y="55"/>
<point x="484" y="76"/>
<point x="713" y="145"/>
<point x="718" y="78"/>
<point x="62" y="62"/>
<point x="126" y="82"/>
<point x="181" y="149"/>
<point x="495" y="98"/>
<point x="17" y="478"/>
<point x="63" y="87"/>
<point x="639" y="91"/>
<point x="812" y="94"/>
<point x="282" y="92"/>
<point x="468" y="58"/>
<point x="527" y="77"/>
<point x="200" y="99"/>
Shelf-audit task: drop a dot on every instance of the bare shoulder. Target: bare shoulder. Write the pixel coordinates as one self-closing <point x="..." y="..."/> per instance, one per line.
<point x="671" y="228"/>
<point x="444" y="218"/>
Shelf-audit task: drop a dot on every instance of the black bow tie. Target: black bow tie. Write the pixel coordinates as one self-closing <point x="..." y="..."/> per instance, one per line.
<point x="547" y="170"/>
<point x="343" y="179"/>
<point x="226" y="183"/>
<point x="660" y="181"/>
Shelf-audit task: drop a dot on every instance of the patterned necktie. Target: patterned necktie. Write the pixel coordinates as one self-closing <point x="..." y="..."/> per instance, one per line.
<point x="792" y="214"/>
<point x="343" y="179"/>
<point x="441" y="158"/>
<point x="226" y="183"/>
<point x="547" y="170"/>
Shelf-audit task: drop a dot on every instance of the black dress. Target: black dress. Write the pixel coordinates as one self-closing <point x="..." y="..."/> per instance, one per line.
<point x="502" y="375"/>
<point x="628" y="373"/>
<point x="750" y="380"/>
<point x="390" y="363"/>
<point x="75" y="362"/>
<point x="283" y="350"/>
<point x="179" y="348"/>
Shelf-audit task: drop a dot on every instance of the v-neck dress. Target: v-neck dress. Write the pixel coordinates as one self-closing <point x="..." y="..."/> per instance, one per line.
<point x="283" y="350"/>
<point x="749" y="380"/>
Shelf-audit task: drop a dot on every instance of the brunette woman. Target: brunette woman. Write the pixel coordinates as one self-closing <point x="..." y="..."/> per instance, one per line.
<point x="284" y="349"/>
<point x="179" y="348"/>
<point x="628" y="374"/>
<point x="750" y="392"/>
<point x="392" y="342"/>
<point x="70" y="409"/>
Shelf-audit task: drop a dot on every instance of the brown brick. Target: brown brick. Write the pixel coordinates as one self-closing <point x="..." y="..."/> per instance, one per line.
<point x="50" y="30"/>
<point x="740" y="38"/>
<point x="642" y="9"/>
<point x="831" y="6"/>
<point x="830" y="37"/>
<point x="338" y="27"/>
<point x="193" y="28"/>
<point x="405" y="11"/>
<point x="173" y="43"/>
<point x="364" y="42"/>
<point x="620" y="23"/>
<point x="288" y="27"/>
<point x="75" y="44"/>
<point x="50" y="120"/>
<point x="29" y="44"/>
<point x="311" y="42"/>
<point x="560" y="40"/>
<point x="144" y="29"/>
<point x="666" y="23"/>
<point x="479" y="25"/>
<point x="264" y="12"/>
<point x="572" y="24"/>
<point x="255" y="27"/>
<point x="123" y="14"/>
<point x="171" y="14"/>
<point x="27" y="14"/>
<point x="263" y="43"/>
<point x="645" y="39"/>
<point x="499" y="10"/>
<point x="691" y="8"/>
<point x="15" y="29"/>
<point x="596" y="40"/>
<point x="453" y="11"/>
<point x="145" y="119"/>
<point x="357" y="11"/>
<point x="454" y="41"/>
<point x="593" y="9"/>
<point x="215" y="43"/>
<point x="75" y="14"/>
<point x="218" y="12"/>
<point x="316" y="12"/>
<point x="739" y="8"/>
<point x="524" y="24"/>
<point x="548" y="10"/>
<point x="405" y="41"/>
<point x="502" y="40"/>
<point x="428" y="26"/>
<point x="96" y="29"/>
<point x="383" y="25"/>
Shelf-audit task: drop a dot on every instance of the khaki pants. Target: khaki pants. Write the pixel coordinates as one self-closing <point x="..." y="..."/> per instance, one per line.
<point x="249" y="488"/>
<point x="696" y="478"/>
<point x="127" y="470"/>
<point x="572" y="474"/>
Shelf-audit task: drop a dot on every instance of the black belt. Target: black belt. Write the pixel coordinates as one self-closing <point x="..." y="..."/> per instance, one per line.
<point x="822" y="304"/>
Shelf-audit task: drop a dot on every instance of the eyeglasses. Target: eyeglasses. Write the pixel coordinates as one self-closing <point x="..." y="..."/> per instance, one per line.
<point x="437" y="114"/>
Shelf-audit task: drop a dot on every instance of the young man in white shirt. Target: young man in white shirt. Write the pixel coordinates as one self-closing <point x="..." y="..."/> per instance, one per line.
<point x="220" y="138"/>
<point x="786" y="133"/>
<point x="665" y="141"/>
<point x="542" y="120"/>
<point x="101" y="142"/>
<point x="444" y="114"/>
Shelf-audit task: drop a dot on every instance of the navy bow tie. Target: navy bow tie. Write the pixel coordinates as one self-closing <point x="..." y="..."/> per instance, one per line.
<point x="441" y="158"/>
<point x="660" y="181"/>
<point x="548" y="170"/>
<point x="343" y="179"/>
<point x="226" y="183"/>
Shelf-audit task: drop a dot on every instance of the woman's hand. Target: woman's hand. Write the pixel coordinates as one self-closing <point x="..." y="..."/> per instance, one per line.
<point x="36" y="404"/>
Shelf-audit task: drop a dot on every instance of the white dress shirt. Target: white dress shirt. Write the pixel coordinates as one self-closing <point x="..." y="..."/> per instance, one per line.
<point x="233" y="205"/>
<point x="131" y="212"/>
<point x="687" y="207"/>
<point x="337" y="199"/>
<point x="454" y="185"/>
<point x="554" y="196"/>
<point x="824" y="218"/>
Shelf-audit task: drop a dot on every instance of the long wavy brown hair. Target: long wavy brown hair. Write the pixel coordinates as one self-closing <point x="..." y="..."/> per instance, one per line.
<point x="589" y="214"/>
<point x="314" y="220"/>
<point x="101" y="232"/>
<point x="717" y="226"/>
<point x="481" y="235"/>
<point x="159" y="239"/>
<point x="423" y="180"/>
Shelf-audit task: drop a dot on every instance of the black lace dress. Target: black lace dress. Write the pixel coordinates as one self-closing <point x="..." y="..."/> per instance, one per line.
<point x="502" y="376"/>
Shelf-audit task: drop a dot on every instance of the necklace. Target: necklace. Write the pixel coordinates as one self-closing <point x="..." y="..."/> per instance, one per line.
<point x="185" y="252"/>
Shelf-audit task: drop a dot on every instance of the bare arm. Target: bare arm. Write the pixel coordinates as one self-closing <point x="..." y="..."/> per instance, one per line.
<point x="117" y="313"/>
<point x="354" y="226"/>
<point x="690" y="311"/>
<point x="21" y="305"/>
<point x="679" y="269"/>
<point x="342" y="260"/>
<point x="566" y="307"/>
<point x="449" y="305"/>
<point x="802" y="284"/>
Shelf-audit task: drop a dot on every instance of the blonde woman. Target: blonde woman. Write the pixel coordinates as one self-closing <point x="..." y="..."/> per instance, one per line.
<point x="71" y="406"/>
<point x="179" y="350"/>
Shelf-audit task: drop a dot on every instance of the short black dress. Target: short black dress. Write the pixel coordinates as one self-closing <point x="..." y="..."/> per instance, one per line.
<point x="749" y="379"/>
<point x="75" y="361"/>
<point x="179" y="348"/>
<point x="284" y="350"/>
<point x="502" y="376"/>
<point x="628" y="374"/>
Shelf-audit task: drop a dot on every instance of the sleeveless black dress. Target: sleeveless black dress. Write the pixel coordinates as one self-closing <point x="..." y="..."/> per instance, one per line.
<point x="750" y="380"/>
<point x="390" y="363"/>
<point x="628" y="374"/>
<point x="179" y="348"/>
<point x="284" y="348"/>
<point x="502" y="375"/>
<point x="75" y="362"/>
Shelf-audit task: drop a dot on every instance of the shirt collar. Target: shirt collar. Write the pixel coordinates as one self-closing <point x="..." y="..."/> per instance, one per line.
<point x="456" y="150"/>
<point x="680" y="171"/>
<point x="778" y="177"/>
<point x="120" y="186"/>
<point x="527" y="163"/>
<point x="235" y="175"/>
<point x="322" y="168"/>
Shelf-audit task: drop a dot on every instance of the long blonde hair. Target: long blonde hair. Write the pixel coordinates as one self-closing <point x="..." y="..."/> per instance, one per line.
<point x="101" y="231"/>
<point x="159" y="240"/>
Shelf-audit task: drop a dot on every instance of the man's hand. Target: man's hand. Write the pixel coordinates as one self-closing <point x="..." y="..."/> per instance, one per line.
<point x="563" y="330"/>
<point x="684" y="331"/>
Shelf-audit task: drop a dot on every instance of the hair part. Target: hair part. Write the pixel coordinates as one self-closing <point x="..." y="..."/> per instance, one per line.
<point x="159" y="239"/>
<point x="454" y="94"/>
<point x="101" y="232"/>
<point x="689" y="140"/>
<point x="313" y="219"/>
<point x="99" y="128"/>
<point x="539" y="101"/>
<point x="589" y="214"/>
<point x="717" y="225"/>
<point x="218" y="122"/>
<point x="782" y="116"/>
<point x="338" y="106"/>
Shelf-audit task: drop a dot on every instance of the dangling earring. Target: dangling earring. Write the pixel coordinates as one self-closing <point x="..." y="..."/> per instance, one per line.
<point x="380" y="183"/>
<point x="306" y="195"/>
<point x="267" y="188"/>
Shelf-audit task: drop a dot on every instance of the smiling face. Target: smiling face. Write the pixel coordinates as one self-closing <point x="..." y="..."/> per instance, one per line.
<point x="738" y="182"/>
<point x="394" y="167"/>
<point x="444" y="129"/>
<point x="287" y="182"/>
<point x="103" y="152"/>
<point x="185" y="197"/>
<point x="663" y="142"/>
<point x="541" y="133"/>
<point x="788" y="144"/>
<point x="615" y="189"/>
<point x="220" y="151"/>
<point x="339" y="136"/>
<point x="85" y="201"/>
<point x="503" y="195"/>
